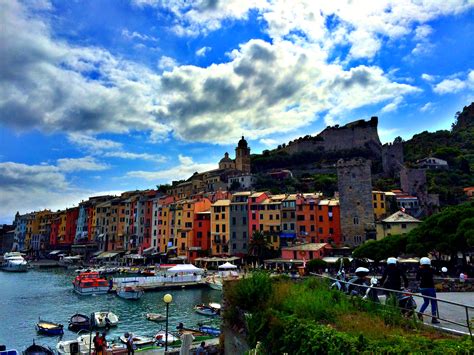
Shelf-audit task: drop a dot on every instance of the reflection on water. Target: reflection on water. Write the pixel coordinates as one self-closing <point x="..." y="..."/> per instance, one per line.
<point x="24" y="297"/>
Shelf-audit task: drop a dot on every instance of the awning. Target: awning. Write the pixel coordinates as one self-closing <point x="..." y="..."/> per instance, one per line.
<point x="134" y="256"/>
<point x="172" y="248"/>
<point x="149" y="250"/>
<point x="227" y="266"/>
<point x="334" y="259"/>
<point x="107" y="255"/>
<point x="185" y="268"/>
<point x="97" y="253"/>
<point x="55" y="252"/>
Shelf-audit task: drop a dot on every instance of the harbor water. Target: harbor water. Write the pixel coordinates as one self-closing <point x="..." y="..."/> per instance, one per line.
<point x="25" y="297"/>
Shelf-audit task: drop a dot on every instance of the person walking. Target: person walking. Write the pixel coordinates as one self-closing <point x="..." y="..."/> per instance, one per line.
<point x="393" y="275"/>
<point x="425" y="277"/>
<point x="129" y="343"/>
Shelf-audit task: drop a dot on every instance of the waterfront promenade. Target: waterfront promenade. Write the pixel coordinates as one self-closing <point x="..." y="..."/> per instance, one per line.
<point x="451" y="312"/>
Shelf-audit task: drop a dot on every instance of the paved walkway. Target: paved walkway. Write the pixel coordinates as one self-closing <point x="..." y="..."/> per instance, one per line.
<point x="452" y="312"/>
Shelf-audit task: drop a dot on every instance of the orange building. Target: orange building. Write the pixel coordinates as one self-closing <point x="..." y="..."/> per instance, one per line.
<point x="306" y="211"/>
<point x="329" y="222"/>
<point x="270" y="219"/>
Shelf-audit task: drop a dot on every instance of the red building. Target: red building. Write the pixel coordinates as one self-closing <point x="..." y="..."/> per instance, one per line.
<point x="148" y="218"/>
<point x="201" y="242"/>
<point x="54" y="233"/>
<point x="329" y="222"/>
<point x="254" y="206"/>
<point x="71" y="224"/>
<point x="306" y="211"/>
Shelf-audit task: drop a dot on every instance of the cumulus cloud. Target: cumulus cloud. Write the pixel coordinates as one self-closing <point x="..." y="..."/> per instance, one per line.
<point x="47" y="84"/>
<point x="201" y="52"/>
<point x="167" y="63"/>
<point x="428" y="107"/>
<point x="136" y="156"/>
<point x="185" y="169"/>
<point x="269" y="142"/>
<point x="80" y="164"/>
<point x="451" y="86"/>
<point x="428" y="77"/>
<point x="92" y="143"/>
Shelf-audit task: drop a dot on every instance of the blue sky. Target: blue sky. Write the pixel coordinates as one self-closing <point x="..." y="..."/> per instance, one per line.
<point x="112" y="95"/>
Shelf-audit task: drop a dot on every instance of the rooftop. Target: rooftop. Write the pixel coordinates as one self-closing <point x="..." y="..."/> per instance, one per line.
<point x="221" y="203"/>
<point x="307" y="247"/>
<point x="401" y="217"/>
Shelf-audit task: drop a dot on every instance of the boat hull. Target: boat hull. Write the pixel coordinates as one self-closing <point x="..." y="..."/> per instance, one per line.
<point x="14" y="267"/>
<point x="130" y="295"/>
<point x="205" y="311"/>
<point x="215" y="286"/>
<point x="100" y="290"/>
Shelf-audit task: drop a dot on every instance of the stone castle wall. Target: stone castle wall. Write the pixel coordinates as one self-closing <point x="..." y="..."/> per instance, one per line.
<point x="392" y="158"/>
<point x="355" y="198"/>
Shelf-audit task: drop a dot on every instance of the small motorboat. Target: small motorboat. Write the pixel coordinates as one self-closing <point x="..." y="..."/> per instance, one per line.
<point x="130" y="291"/>
<point x="194" y="332"/>
<point x="49" y="328"/>
<point x="79" y="345"/>
<point x="14" y="262"/>
<point x="206" y="310"/>
<point x="104" y="319"/>
<point x="215" y="305"/>
<point x="138" y="340"/>
<point x="214" y="282"/>
<point x="210" y="330"/>
<point x="79" y="322"/>
<point x="155" y="317"/>
<point x="161" y="338"/>
<point x="38" y="350"/>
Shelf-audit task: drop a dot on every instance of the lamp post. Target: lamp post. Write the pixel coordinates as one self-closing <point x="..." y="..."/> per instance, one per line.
<point x="167" y="299"/>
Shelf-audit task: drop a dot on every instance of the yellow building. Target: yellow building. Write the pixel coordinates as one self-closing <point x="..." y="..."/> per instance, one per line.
<point x="379" y="204"/>
<point x="397" y="223"/>
<point x="220" y="223"/>
<point x="62" y="226"/>
<point x="31" y="228"/>
<point x="270" y="219"/>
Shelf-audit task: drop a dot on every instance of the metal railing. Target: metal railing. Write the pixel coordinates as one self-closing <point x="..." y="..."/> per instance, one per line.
<point x="466" y="307"/>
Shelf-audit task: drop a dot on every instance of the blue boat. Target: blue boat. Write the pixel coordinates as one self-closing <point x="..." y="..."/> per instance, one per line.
<point x="49" y="328"/>
<point x="210" y="330"/>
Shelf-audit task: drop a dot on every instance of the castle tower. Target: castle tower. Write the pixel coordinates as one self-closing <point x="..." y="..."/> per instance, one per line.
<point x="392" y="158"/>
<point x="355" y="198"/>
<point x="242" y="156"/>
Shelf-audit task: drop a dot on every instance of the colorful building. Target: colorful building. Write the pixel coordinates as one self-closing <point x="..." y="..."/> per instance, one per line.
<point x="397" y="223"/>
<point x="305" y="252"/>
<point x="220" y="215"/>
<point x="329" y="222"/>
<point x="288" y="232"/>
<point x="379" y="204"/>
<point x="270" y="219"/>
<point x="201" y="243"/>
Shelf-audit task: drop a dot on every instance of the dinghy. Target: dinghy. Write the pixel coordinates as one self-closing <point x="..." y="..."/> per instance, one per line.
<point x="206" y="310"/>
<point x="104" y="319"/>
<point x="49" y="328"/>
<point x="160" y="337"/>
<point x="38" y="350"/>
<point x="155" y="317"/>
<point x="79" y="322"/>
<point x="138" y="340"/>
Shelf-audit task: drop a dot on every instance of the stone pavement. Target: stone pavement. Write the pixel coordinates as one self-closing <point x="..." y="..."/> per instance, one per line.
<point x="452" y="312"/>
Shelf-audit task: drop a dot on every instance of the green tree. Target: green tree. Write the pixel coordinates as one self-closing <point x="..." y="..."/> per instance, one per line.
<point x="259" y="245"/>
<point x="316" y="265"/>
<point x="393" y="245"/>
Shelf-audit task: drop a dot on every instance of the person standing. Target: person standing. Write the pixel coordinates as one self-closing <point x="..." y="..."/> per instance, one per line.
<point x="425" y="277"/>
<point x="393" y="275"/>
<point x="97" y="344"/>
<point x="129" y="343"/>
<point x="103" y="342"/>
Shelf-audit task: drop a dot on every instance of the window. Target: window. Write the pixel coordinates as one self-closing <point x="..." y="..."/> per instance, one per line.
<point x="284" y="214"/>
<point x="300" y="217"/>
<point x="223" y="215"/>
<point x="217" y="228"/>
<point x="234" y="221"/>
<point x="217" y="217"/>
<point x="234" y="246"/>
<point x="356" y="220"/>
<point x="311" y="217"/>
<point x="404" y="225"/>
<point x="375" y="204"/>
<point x="320" y="230"/>
<point x="271" y="217"/>
<point x="261" y="215"/>
<point x="254" y="227"/>
<point x="285" y="226"/>
<point x="199" y="234"/>
<point x="223" y="228"/>
<point x="382" y="205"/>
<point x="312" y="228"/>
<point x="331" y="230"/>
<point x="244" y="221"/>
<point x="292" y="214"/>
<point x="234" y="236"/>
<point x="244" y="236"/>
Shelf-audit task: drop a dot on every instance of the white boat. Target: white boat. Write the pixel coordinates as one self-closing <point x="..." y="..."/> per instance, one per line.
<point x="14" y="262"/>
<point x="138" y="340"/>
<point x="79" y="345"/>
<point x="104" y="319"/>
<point x="155" y="317"/>
<point x="130" y="291"/>
<point x="161" y="337"/>
<point x="214" y="282"/>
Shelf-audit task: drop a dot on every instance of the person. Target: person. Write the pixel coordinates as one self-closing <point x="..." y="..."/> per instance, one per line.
<point x="97" y="343"/>
<point x="103" y="343"/>
<point x="425" y="276"/>
<point x="462" y="277"/>
<point x="201" y="350"/>
<point x="129" y="343"/>
<point x="392" y="276"/>
<point x="356" y="284"/>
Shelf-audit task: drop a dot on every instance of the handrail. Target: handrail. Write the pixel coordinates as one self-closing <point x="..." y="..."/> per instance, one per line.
<point x="465" y="306"/>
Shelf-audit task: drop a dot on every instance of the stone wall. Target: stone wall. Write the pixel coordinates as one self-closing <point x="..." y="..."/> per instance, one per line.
<point x="355" y="198"/>
<point x="392" y="158"/>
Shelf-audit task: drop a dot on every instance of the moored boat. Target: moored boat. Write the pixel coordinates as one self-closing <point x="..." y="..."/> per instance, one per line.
<point x="88" y="283"/>
<point x="5" y="351"/>
<point x="79" y="345"/>
<point x="214" y="282"/>
<point x="14" y="262"/>
<point x="130" y="291"/>
<point x="104" y="319"/>
<point x="49" y="328"/>
<point x="38" y="350"/>
<point x="79" y="322"/>
<point x="155" y="317"/>
<point x="161" y="337"/>
<point x="138" y="340"/>
<point x="206" y="310"/>
<point x="210" y="330"/>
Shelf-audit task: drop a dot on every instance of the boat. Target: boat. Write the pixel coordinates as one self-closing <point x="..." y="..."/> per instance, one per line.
<point x="14" y="262"/>
<point x="79" y="322"/>
<point x="161" y="338"/>
<point x="130" y="291"/>
<point x="79" y="345"/>
<point x="214" y="282"/>
<point x="206" y="310"/>
<point x="38" y="350"/>
<point x="88" y="283"/>
<point x="8" y="351"/>
<point x="70" y="262"/>
<point x="138" y="340"/>
<point x="49" y="328"/>
<point x="215" y="305"/>
<point x="155" y="317"/>
<point x="210" y="330"/>
<point x="104" y="319"/>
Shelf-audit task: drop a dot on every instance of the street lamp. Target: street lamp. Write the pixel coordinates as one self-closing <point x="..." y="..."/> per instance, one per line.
<point x="167" y="299"/>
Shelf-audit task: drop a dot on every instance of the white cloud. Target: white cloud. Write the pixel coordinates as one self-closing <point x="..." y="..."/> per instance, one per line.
<point x="428" y="107"/>
<point x="428" y="77"/>
<point x="136" y="35"/>
<point x="201" y="52"/>
<point x="80" y="164"/>
<point x="269" y="142"/>
<point x="387" y="134"/>
<point x="136" y="156"/>
<point x="185" y="169"/>
<point x="450" y="86"/>
<point x="167" y="63"/>
<point x="92" y="143"/>
<point x="392" y="106"/>
<point x="423" y="31"/>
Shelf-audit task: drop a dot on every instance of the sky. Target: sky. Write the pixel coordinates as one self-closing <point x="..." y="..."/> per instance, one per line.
<point x="105" y="96"/>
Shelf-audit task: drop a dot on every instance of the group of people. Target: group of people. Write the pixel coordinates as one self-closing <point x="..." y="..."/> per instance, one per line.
<point x="100" y="344"/>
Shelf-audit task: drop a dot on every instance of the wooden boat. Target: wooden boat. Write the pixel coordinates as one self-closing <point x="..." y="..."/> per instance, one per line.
<point x="155" y="317"/>
<point x="206" y="310"/>
<point x="38" y="350"/>
<point x="161" y="338"/>
<point x="138" y="340"/>
<point x="104" y="319"/>
<point x="88" y="283"/>
<point x="130" y="291"/>
<point x="210" y="330"/>
<point x="79" y="322"/>
<point x="49" y="328"/>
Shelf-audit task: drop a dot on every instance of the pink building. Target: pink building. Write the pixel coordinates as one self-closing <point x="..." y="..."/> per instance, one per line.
<point x="306" y="252"/>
